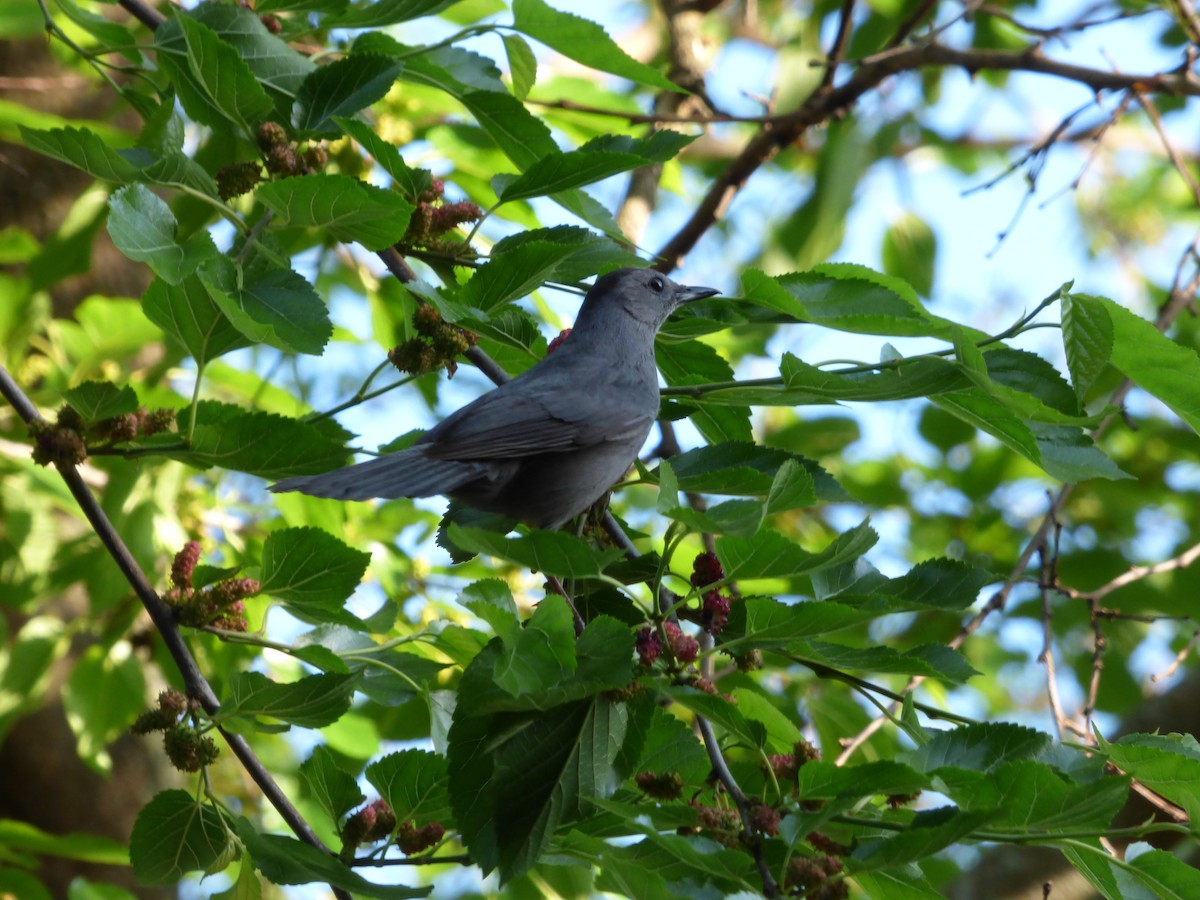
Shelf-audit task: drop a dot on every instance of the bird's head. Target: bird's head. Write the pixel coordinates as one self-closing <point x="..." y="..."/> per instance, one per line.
<point x="644" y="295"/>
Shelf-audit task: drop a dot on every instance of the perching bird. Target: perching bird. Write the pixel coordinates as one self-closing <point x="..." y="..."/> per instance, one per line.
<point x="545" y="446"/>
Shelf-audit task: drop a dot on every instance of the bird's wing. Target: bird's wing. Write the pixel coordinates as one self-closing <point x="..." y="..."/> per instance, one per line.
<point x="506" y="424"/>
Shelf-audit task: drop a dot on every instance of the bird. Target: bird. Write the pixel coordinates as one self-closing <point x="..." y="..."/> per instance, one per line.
<point x="545" y="446"/>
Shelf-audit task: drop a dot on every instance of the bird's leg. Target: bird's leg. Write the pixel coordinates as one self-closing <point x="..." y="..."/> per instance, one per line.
<point x="553" y="581"/>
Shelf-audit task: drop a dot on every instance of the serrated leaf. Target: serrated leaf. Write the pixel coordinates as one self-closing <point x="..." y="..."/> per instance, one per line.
<point x="270" y="305"/>
<point x="522" y="65"/>
<point x="1154" y="362"/>
<point x="771" y="624"/>
<point x="186" y="312"/>
<point x="540" y="655"/>
<point x="928" y="660"/>
<point x="928" y="833"/>
<point x="279" y="67"/>
<point x="1087" y="339"/>
<point x="388" y="12"/>
<point x="175" y="834"/>
<point x="312" y="573"/>
<point x="695" y="363"/>
<point x="96" y="400"/>
<point x="342" y="88"/>
<point x="311" y="702"/>
<point x="771" y="555"/>
<point x="824" y="780"/>
<point x="583" y="41"/>
<point x="548" y="552"/>
<point x="513" y="274"/>
<point x="83" y="149"/>
<point x="414" y="783"/>
<point x="349" y="209"/>
<point x="333" y="788"/>
<point x="259" y="443"/>
<point x="143" y="228"/>
<point x="980" y="747"/>
<point x="507" y="808"/>
<point x="214" y="83"/>
<point x="1168" y="764"/>
<point x="744" y="469"/>
<point x="411" y="182"/>
<point x="598" y="159"/>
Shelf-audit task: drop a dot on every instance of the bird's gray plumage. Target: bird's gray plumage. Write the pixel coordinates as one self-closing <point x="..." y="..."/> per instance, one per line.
<point x="546" y="445"/>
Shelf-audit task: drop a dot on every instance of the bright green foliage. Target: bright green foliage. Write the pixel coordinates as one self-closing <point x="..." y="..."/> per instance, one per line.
<point x="330" y="189"/>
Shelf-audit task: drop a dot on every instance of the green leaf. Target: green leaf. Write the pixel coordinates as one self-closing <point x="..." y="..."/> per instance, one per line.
<point x="771" y="555"/>
<point x="83" y="149"/>
<point x="1151" y="360"/>
<point x="898" y="883"/>
<point x="548" y="552"/>
<point x="311" y="702"/>
<point x="514" y="273"/>
<point x="931" y="660"/>
<point x="522" y="136"/>
<point x="285" y="860"/>
<point x="175" y="834"/>
<point x="928" y="833"/>
<point x="917" y="377"/>
<point x="342" y="88"/>
<point x="414" y="784"/>
<point x="143" y="228"/>
<point x="848" y="297"/>
<point x="1165" y="876"/>
<point x="771" y="624"/>
<point x="981" y="747"/>
<point x="583" y="41"/>
<point x="540" y="655"/>
<point x="910" y="252"/>
<point x="721" y="712"/>
<point x="522" y="65"/>
<point x="279" y="67"/>
<point x="411" y="182"/>
<point x="187" y="312"/>
<point x="849" y="784"/>
<point x="333" y="788"/>
<point x="600" y="158"/>
<point x="213" y="81"/>
<point x="934" y="584"/>
<point x="744" y="469"/>
<point x="386" y="675"/>
<point x="96" y="400"/>
<point x="1032" y="796"/>
<point x="269" y="305"/>
<point x="312" y="572"/>
<point x="260" y="443"/>
<point x="349" y="209"/>
<point x="1087" y="339"/>
<point x="696" y="363"/>
<point x="387" y="12"/>
<point x="1168" y="764"/>
<point x="512" y="787"/>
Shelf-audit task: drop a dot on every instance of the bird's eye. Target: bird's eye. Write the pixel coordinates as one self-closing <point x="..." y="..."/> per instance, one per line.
<point x="657" y="284"/>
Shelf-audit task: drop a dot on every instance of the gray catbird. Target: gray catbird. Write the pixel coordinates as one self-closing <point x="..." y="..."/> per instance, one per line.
<point x="546" y="445"/>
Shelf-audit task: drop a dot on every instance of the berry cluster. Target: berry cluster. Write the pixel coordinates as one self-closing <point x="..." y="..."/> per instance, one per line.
<point x="374" y="822"/>
<point x="280" y="157"/>
<point x="187" y="748"/>
<point x="684" y="647"/>
<point x="815" y="877"/>
<point x="437" y="344"/>
<point x="66" y="440"/>
<point x="221" y="605"/>
<point x="377" y="822"/>
<point x="714" y="608"/>
<point x="434" y="219"/>
<point x="667" y="786"/>
<point x="786" y="766"/>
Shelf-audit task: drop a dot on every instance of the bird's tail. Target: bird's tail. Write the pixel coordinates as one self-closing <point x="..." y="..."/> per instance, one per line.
<point x="409" y="473"/>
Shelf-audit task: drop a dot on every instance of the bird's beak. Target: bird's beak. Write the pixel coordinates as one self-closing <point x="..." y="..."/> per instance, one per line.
<point x="686" y="294"/>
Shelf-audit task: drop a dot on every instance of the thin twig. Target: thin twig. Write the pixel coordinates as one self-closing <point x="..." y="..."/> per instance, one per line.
<point x="1046" y="657"/>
